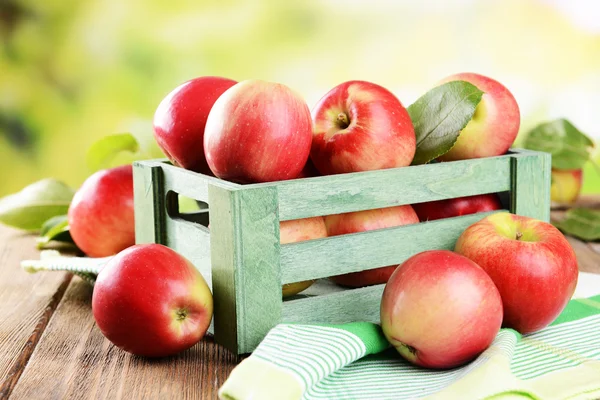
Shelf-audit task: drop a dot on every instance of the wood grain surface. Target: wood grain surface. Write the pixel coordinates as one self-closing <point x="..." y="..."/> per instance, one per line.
<point x="27" y="303"/>
<point x="73" y="360"/>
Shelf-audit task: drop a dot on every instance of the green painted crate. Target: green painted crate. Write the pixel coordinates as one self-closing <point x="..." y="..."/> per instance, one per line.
<point x="243" y="259"/>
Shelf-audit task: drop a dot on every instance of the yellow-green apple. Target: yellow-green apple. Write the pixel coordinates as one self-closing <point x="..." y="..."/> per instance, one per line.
<point x="361" y="126"/>
<point x="151" y="301"/>
<point x="180" y="119"/>
<point x="566" y="185"/>
<point x="258" y="131"/>
<point x="341" y="224"/>
<point x="531" y="263"/>
<point x="299" y="230"/>
<point x="440" y="309"/>
<point x="495" y="124"/>
<point x="433" y="210"/>
<point x="101" y="214"/>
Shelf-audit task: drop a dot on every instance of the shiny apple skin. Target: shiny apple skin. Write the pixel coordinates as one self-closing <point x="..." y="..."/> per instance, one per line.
<point x="180" y="119"/>
<point x="440" y="310"/>
<point x="379" y="132"/>
<point x="495" y="124"/>
<point x="258" y="131"/>
<point x="151" y="301"/>
<point x="101" y="214"/>
<point x="530" y="261"/>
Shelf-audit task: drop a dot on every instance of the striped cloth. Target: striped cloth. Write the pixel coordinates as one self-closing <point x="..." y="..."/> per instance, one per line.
<point x="354" y="361"/>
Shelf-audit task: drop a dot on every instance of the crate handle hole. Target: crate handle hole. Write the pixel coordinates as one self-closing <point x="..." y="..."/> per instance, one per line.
<point x="187" y="209"/>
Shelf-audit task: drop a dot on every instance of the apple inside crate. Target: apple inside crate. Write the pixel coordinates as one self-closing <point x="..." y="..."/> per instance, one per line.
<point x="241" y="255"/>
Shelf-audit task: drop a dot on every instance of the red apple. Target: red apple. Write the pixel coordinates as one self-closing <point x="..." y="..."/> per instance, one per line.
<point x="258" y="132"/>
<point x="361" y="126"/>
<point x="180" y="119"/>
<point x="341" y="224"/>
<point x="440" y="309"/>
<point x="433" y="210"/>
<point x="151" y="301"/>
<point x="495" y="124"/>
<point x="101" y="214"/>
<point x="299" y="230"/>
<point x="566" y="185"/>
<point x="531" y="263"/>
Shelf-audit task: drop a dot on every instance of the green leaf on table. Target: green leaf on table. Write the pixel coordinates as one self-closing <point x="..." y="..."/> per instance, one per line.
<point x="101" y="153"/>
<point x="55" y="229"/>
<point x="35" y="204"/>
<point x="570" y="148"/>
<point x="583" y="223"/>
<point x="440" y="115"/>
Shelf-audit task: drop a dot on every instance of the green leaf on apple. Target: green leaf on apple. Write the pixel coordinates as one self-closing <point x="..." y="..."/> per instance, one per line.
<point x="35" y="204"/>
<point x="56" y="229"/>
<point x="102" y="152"/>
<point x="440" y="115"/>
<point x="570" y="148"/>
<point x="583" y="223"/>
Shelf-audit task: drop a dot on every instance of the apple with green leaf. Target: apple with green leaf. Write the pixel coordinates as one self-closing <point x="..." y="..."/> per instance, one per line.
<point x="440" y="309"/>
<point x="495" y="124"/>
<point x="531" y="263"/>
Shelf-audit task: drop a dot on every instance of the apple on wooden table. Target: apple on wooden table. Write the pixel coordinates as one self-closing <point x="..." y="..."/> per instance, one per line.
<point x="101" y="215"/>
<point x="439" y="209"/>
<point x="150" y="301"/>
<point x="180" y="119"/>
<point x="531" y="263"/>
<point x="495" y="124"/>
<point x="440" y="309"/>
<point x="258" y="131"/>
<point x="341" y="224"/>
<point x="361" y="126"/>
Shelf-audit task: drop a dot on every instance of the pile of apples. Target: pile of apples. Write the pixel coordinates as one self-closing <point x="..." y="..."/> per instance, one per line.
<point x="439" y="308"/>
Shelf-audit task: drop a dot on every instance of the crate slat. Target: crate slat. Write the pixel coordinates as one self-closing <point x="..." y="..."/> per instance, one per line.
<point x="365" y="250"/>
<point x="531" y="185"/>
<point x="150" y="209"/>
<point x="192" y="241"/>
<point x="336" y="308"/>
<point x="245" y="264"/>
<point x="302" y="198"/>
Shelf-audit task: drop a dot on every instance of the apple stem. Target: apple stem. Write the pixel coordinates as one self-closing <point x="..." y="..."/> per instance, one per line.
<point x="519" y="235"/>
<point x="342" y="120"/>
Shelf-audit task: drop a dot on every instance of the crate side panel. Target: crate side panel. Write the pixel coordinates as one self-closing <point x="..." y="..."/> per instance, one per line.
<point x="224" y="216"/>
<point x="302" y="198"/>
<point x="149" y="203"/>
<point x="192" y="241"/>
<point x="365" y="250"/>
<point x="531" y="185"/>
<point x="337" y="308"/>
<point x="258" y="273"/>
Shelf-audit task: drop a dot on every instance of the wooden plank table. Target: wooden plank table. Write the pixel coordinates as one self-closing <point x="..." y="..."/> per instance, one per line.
<point x="50" y="347"/>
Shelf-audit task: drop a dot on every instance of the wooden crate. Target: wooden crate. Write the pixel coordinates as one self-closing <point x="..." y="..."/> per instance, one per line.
<point x="242" y="258"/>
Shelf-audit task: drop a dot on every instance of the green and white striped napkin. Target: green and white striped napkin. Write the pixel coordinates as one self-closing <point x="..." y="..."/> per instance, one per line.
<point x="354" y="361"/>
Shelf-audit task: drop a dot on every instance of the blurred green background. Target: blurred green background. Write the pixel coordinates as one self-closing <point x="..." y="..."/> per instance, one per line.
<point x="73" y="71"/>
